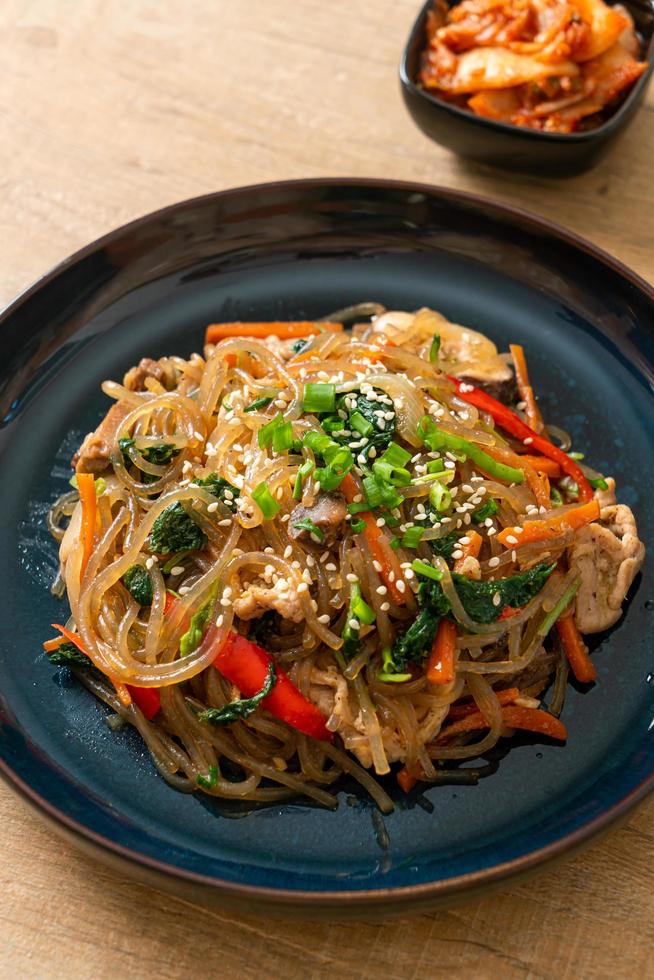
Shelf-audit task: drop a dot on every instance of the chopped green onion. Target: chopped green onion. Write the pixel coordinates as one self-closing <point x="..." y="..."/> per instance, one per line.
<point x="436" y="466"/>
<point x="387" y="673"/>
<point x="306" y="524"/>
<point x="263" y="497"/>
<point x="440" y="497"/>
<point x="302" y="473"/>
<point x="395" y="543"/>
<point x="266" y="432"/>
<point x="435" y="347"/>
<point x="357" y="508"/>
<point x="438" y="440"/>
<point x="319" y="398"/>
<point x="397" y="476"/>
<point x="486" y="510"/>
<point x="395" y="455"/>
<point x="328" y="478"/>
<point x="412" y="537"/>
<point x="358" y="526"/>
<point x="555" y="497"/>
<point x="564" y="601"/>
<point x="254" y="406"/>
<point x="360" y="608"/>
<point x="360" y="424"/>
<point x="377" y="492"/>
<point x="426" y="570"/>
<point x="282" y="438"/>
<point x="317" y="441"/>
<point x="598" y="484"/>
<point x="576" y="455"/>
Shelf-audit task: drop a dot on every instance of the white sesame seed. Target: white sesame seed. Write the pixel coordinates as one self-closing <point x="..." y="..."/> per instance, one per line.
<point x="380" y="522"/>
<point x="149" y="563"/>
<point x="391" y="576"/>
<point x="467" y="488"/>
<point x="213" y="507"/>
<point x="225" y="602"/>
<point x="351" y="577"/>
<point x="377" y="565"/>
<point x="288" y="551"/>
<point x="302" y="587"/>
<point x="330" y="567"/>
<point x="187" y="467"/>
<point x="354" y="624"/>
<point x="324" y="619"/>
<point x="457" y="553"/>
<point x="511" y="539"/>
<point x="528" y="441"/>
<point x="497" y="598"/>
<point x="183" y="589"/>
<point x="401" y="585"/>
<point x="493" y="562"/>
<point x="514" y="555"/>
<point x="385" y="606"/>
<point x="226" y="522"/>
<point x="464" y="540"/>
<point x="381" y="590"/>
<point x="177" y="570"/>
<point x="357" y="498"/>
<point x="491" y="531"/>
<point x="220" y="621"/>
<point x="286" y="517"/>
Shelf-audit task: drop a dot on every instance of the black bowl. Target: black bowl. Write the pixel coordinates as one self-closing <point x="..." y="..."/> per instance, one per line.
<point x="513" y="147"/>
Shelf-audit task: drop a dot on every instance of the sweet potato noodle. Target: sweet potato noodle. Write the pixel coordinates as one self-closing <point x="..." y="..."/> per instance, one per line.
<point x="315" y="551"/>
<point x="553" y="65"/>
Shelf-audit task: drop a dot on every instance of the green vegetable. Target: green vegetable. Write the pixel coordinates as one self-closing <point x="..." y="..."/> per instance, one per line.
<point x="443" y="547"/>
<point x="412" y="537"/>
<point x="388" y="673"/>
<point x="360" y="610"/>
<point x="138" y="583"/>
<point x="67" y="655"/>
<point x="358" y="526"/>
<point x="515" y="591"/>
<point x="414" y="644"/>
<point x="390" y="466"/>
<point x="359" y="607"/>
<point x="435" y="347"/>
<point x="319" y="398"/>
<point x="192" y="639"/>
<point x="564" y="601"/>
<point x="299" y="345"/>
<point x="264" y="628"/>
<point x="306" y="524"/>
<point x="439" y="440"/>
<point x="380" y="493"/>
<point x="266" y="432"/>
<point x="243" y="708"/>
<point x="362" y="421"/>
<point x="210" y="780"/>
<point x="426" y="570"/>
<point x="158" y="455"/>
<point x="487" y="509"/>
<point x="555" y="497"/>
<point x="360" y="424"/>
<point x="440" y="497"/>
<point x="304" y="471"/>
<point x="217" y="485"/>
<point x="263" y="497"/>
<point x="258" y="403"/>
<point x="339" y="459"/>
<point x="599" y="484"/>
<point x="282" y="439"/>
<point x="174" y="530"/>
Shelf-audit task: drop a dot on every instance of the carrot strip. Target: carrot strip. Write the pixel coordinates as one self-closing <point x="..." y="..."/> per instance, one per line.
<point x="470" y="550"/>
<point x="552" y="527"/>
<point x="440" y="666"/>
<point x="532" y="411"/>
<point x="406" y="780"/>
<point x="391" y="570"/>
<point x="543" y="465"/>
<point x="534" y="480"/>
<point x="463" y="710"/>
<point x="86" y="487"/>
<point x="528" y="719"/>
<point x="53" y="644"/>
<point x="576" y="650"/>
<point x="284" y="330"/>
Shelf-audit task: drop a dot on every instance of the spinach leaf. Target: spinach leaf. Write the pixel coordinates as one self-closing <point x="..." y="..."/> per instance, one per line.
<point x="210" y="780"/>
<point x="413" y="645"/>
<point x="444" y="546"/>
<point x="516" y="591"/>
<point x="67" y="655"/>
<point x="381" y="435"/>
<point x="243" y="708"/>
<point x="217" y="485"/>
<point x="138" y="583"/>
<point x="158" y="455"/>
<point x="174" y="530"/>
<point x="299" y="345"/>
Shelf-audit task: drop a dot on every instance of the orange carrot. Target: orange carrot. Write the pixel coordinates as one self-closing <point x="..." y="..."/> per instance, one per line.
<point x="552" y="527"/>
<point x="576" y="650"/>
<point x="391" y="571"/>
<point x="532" y="411"/>
<point x="86" y="487"/>
<point x="535" y="480"/>
<point x="285" y="330"/>
<point x="440" y="666"/>
<point x="463" y="710"/>
<point x="53" y="644"/>
<point x="543" y="465"/>
<point x="528" y="719"/>
<point x="470" y="550"/>
<point x="406" y="780"/>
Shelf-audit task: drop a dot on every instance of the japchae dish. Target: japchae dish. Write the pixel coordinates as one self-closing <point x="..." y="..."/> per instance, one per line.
<point x="554" y="65"/>
<point x="314" y="551"/>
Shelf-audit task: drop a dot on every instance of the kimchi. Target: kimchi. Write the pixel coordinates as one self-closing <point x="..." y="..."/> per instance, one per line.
<point x="551" y="65"/>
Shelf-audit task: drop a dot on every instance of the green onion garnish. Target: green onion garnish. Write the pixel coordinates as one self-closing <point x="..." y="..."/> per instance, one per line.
<point x="395" y="543"/>
<point x="258" y="403"/>
<point x="358" y="526"/>
<point x="397" y="476"/>
<point x="435" y="347"/>
<point x="555" y="497"/>
<point x="426" y="570"/>
<point x="360" y="424"/>
<point x="436" y="466"/>
<point x="412" y="537"/>
<point x="599" y="484"/>
<point x="263" y="497"/>
<point x="395" y="455"/>
<point x="319" y="398"/>
<point x="576" y="455"/>
<point x="302" y="473"/>
<point x="387" y="674"/>
<point x="210" y="780"/>
<point x="282" y="437"/>
<point x="440" y="497"/>
<point x="564" y="601"/>
<point x="360" y="608"/>
<point x="306" y="524"/>
<point x="266" y="432"/>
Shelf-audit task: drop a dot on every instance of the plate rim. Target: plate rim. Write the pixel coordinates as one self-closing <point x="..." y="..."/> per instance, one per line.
<point x="448" y="889"/>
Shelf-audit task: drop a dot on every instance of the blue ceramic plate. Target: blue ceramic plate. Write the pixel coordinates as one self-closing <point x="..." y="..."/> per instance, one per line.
<point x="297" y="250"/>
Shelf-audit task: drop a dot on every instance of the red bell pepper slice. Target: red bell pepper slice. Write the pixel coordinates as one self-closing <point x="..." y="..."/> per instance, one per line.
<point x="513" y="424"/>
<point x="246" y="665"/>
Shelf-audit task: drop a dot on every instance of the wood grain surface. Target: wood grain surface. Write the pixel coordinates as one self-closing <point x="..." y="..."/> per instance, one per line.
<point x="110" y="109"/>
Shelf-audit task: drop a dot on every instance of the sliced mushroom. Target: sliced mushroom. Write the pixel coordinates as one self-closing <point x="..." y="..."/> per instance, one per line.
<point x="328" y="514"/>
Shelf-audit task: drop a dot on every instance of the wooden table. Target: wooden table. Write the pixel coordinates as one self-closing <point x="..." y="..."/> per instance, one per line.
<point x="109" y="110"/>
